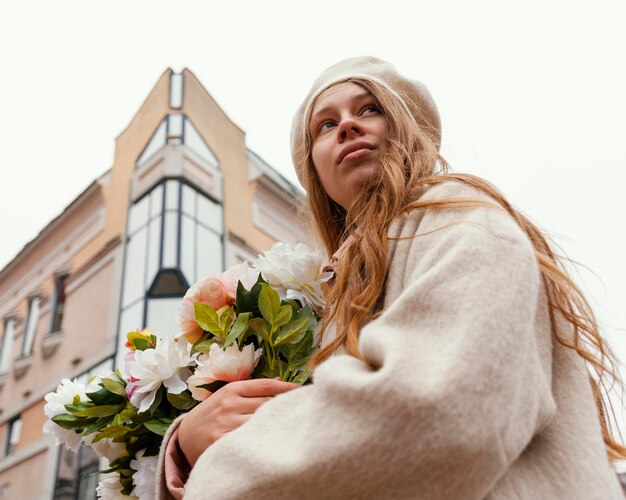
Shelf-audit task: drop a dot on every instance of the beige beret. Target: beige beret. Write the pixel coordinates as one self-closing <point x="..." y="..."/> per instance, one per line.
<point x="375" y="70"/>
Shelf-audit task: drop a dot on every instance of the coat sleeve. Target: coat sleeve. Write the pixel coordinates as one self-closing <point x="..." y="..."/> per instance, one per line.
<point x="455" y="386"/>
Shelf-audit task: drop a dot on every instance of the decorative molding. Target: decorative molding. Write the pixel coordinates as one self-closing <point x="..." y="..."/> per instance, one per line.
<point x="50" y="343"/>
<point x="21" y="365"/>
<point x="30" y="450"/>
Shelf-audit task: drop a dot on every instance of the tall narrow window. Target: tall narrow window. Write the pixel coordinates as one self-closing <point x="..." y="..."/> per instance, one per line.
<point x="176" y="90"/>
<point x="14" y="431"/>
<point x="31" y="326"/>
<point x="6" y="344"/>
<point x="59" y="304"/>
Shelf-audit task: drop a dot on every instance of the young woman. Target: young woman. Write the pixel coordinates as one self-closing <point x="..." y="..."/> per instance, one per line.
<point x="458" y="359"/>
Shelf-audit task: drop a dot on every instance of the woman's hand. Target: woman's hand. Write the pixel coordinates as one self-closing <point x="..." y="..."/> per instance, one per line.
<point x="224" y="411"/>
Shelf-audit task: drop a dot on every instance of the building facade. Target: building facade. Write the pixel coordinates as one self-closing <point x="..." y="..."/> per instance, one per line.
<point x="184" y="198"/>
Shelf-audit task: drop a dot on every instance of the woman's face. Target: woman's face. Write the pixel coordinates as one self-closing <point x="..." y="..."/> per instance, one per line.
<point x="348" y="132"/>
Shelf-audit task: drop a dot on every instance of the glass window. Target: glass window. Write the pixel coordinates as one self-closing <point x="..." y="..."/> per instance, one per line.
<point x="195" y="141"/>
<point x="168" y="283"/>
<point x="135" y="267"/>
<point x="138" y="215"/>
<point x="31" y="326"/>
<point x="156" y="201"/>
<point x="59" y="304"/>
<point x="189" y="201"/>
<point x="6" y="345"/>
<point x="170" y="240"/>
<point x="176" y="90"/>
<point x="154" y="251"/>
<point x="209" y="252"/>
<point x="156" y="142"/>
<point x="209" y="213"/>
<point x="162" y="315"/>
<point x="175" y="129"/>
<point x="76" y="474"/>
<point x="187" y="248"/>
<point x="131" y="319"/>
<point x="172" y="189"/>
<point x="14" y="432"/>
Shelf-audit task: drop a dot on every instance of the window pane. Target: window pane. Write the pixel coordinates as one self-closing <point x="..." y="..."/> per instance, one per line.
<point x="189" y="201"/>
<point x="209" y="213"/>
<point x="209" y="252"/>
<point x="156" y="200"/>
<point x="59" y="304"/>
<point x="187" y="249"/>
<point x="155" y="143"/>
<point x="7" y="344"/>
<point x="31" y="326"/>
<point x="162" y="316"/>
<point x="196" y="142"/>
<point x="176" y="90"/>
<point x="131" y="319"/>
<point x="135" y="266"/>
<point x="170" y="239"/>
<point x="175" y="129"/>
<point x="138" y="214"/>
<point x="171" y="195"/>
<point x="154" y="251"/>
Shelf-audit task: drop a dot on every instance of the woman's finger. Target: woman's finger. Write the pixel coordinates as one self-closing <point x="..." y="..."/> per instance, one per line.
<point x="261" y="387"/>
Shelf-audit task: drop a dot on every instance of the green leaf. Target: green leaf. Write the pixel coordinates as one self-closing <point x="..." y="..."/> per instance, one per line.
<point x="207" y="318"/>
<point x="299" y="353"/>
<point x="114" y="387"/>
<point x="157" y="426"/>
<point x="100" y="411"/>
<point x="226" y="319"/>
<point x="104" y="397"/>
<point x="261" y="328"/>
<point x="284" y="315"/>
<point x="239" y="327"/>
<point x="292" y="332"/>
<point x="112" y="431"/>
<point x="78" y="407"/>
<point x="71" y="422"/>
<point x="269" y="304"/>
<point x="204" y="346"/>
<point x="248" y="301"/>
<point x="302" y="377"/>
<point x="182" y="401"/>
<point x="306" y="312"/>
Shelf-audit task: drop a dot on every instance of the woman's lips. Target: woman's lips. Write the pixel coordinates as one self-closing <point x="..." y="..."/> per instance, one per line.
<point x="354" y="151"/>
<point x="355" y="155"/>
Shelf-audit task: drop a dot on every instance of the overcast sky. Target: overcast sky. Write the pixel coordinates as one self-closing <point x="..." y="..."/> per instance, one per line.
<point x="531" y="96"/>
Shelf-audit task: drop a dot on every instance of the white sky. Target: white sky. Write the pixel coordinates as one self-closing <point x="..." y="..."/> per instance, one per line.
<point x="531" y="96"/>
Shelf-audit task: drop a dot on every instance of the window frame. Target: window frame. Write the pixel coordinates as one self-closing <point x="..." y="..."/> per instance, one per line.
<point x="30" y="326"/>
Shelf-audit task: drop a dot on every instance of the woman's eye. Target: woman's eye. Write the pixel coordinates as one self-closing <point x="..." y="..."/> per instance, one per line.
<point x="372" y="108"/>
<point x="325" y="125"/>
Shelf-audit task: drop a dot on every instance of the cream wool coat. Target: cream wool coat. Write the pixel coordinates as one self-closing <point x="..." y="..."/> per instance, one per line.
<point x="469" y="397"/>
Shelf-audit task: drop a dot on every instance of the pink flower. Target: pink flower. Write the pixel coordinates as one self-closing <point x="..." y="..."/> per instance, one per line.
<point x="211" y="291"/>
<point x="215" y="291"/>
<point x="227" y="365"/>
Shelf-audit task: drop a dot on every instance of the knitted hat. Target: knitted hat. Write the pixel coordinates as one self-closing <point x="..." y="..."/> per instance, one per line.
<point x="375" y="70"/>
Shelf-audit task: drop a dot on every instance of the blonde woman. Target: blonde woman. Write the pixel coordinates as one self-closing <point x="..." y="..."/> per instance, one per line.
<point x="458" y="359"/>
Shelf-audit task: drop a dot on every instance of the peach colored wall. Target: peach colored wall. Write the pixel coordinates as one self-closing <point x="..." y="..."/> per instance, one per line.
<point x="32" y="422"/>
<point x="25" y="479"/>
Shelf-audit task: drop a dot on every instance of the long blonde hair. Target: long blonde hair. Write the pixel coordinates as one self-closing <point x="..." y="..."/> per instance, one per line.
<point x="409" y="165"/>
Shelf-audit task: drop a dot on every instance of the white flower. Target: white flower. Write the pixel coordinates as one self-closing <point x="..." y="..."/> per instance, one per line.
<point x="228" y="365"/>
<point x="55" y="405"/>
<point x="144" y="479"/>
<point x="295" y="272"/>
<point x="106" y="448"/>
<point x="166" y="364"/>
<point x="110" y="488"/>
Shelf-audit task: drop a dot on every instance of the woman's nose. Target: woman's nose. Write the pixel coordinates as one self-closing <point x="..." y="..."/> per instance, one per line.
<point x="348" y="127"/>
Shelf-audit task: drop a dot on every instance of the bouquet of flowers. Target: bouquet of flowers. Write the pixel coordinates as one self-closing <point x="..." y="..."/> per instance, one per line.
<point x="248" y="322"/>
